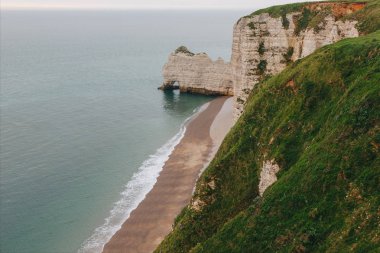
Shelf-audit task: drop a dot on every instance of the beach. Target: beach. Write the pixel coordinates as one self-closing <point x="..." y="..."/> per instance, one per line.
<point x="152" y="220"/>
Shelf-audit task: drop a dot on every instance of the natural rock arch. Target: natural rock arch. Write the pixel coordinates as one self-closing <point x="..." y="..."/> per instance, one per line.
<point x="197" y="73"/>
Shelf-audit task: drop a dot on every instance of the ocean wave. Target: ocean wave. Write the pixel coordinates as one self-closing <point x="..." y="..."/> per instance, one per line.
<point x="135" y="191"/>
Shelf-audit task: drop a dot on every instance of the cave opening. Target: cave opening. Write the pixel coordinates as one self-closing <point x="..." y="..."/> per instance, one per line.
<point x="175" y="85"/>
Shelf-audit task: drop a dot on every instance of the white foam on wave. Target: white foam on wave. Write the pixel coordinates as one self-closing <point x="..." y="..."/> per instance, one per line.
<point x="135" y="191"/>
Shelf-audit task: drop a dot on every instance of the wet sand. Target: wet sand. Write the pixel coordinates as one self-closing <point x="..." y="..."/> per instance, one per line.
<point x="152" y="220"/>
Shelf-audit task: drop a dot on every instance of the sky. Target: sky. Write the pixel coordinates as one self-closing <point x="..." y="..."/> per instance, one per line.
<point x="141" y="4"/>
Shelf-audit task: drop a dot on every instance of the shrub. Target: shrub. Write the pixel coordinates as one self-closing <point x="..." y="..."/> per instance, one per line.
<point x="288" y="55"/>
<point x="261" y="49"/>
<point x="285" y="21"/>
<point x="183" y="49"/>
<point x="303" y="21"/>
<point x="261" y="67"/>
<point x="251" y="25"/>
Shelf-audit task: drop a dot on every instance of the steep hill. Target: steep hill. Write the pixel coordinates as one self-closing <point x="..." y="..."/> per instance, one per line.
<point x="315" y="129"/>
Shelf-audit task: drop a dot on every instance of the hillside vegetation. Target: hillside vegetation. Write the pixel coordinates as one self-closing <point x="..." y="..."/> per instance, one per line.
<point x="368" y="17"/>
<point x="319" y="121"/>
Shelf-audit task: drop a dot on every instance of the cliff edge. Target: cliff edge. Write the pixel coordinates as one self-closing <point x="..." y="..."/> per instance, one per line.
<point x="264" y="43"/>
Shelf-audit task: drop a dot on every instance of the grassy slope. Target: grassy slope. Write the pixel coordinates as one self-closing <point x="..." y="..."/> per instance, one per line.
<point x="324" y="133"/>
<point x="369" y="17"/>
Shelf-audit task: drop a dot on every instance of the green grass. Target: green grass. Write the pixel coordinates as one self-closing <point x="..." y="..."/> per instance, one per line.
<point x="279" y="10"/>
<point x="324" y="133"/>
<point x="369" y="17"/>
<point x="303" y="21"/>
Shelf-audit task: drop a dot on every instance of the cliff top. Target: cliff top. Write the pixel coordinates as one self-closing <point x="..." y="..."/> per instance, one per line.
<point x="337" y="7"/>
<point x="367" y="13"/>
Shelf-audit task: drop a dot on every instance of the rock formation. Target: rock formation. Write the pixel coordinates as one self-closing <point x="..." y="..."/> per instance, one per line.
<point x="268" y="175"/>
<point x="264" y="44"/>
<point x="197" y="73"/>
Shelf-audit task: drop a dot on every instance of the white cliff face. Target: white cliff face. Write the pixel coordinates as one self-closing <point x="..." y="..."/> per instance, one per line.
<point x="263" y="46"/>
<point x="268" y="175"/>
<point x="198" y="74"/>
<point x="332" y="32"/>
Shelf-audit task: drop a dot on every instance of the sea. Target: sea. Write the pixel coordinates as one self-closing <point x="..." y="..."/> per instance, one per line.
<point x="84" y="132"/>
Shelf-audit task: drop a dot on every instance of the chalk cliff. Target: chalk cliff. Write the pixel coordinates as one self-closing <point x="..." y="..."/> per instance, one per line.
<point x="264" y="43"/>
<point x="197" y="73"/>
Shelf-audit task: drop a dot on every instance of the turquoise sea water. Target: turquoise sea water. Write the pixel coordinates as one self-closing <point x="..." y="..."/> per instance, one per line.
<point x="84" y="131"/>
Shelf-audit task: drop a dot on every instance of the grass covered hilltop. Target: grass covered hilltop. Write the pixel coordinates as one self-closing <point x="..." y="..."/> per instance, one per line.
<point x="319" y="121"/>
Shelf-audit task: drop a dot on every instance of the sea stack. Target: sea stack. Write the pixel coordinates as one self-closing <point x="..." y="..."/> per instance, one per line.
<point x="197" y="73"/>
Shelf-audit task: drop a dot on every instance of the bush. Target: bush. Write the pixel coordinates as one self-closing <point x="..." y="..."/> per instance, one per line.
<point x="251" y="25"/>
<point x="183" y="49"/>
<point x="288" y="55"/>
<point x="303" y="21"/>
<point x="261" y="49"/>
<point x="285" y="21"/>
<point x="261" y="67"/>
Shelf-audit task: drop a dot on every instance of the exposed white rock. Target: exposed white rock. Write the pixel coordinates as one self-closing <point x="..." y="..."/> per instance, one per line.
<point x="197" y="73"/>
<point x="275" y="41"/>
<point x="197" y="204"/>
<point x="268" y="175"/>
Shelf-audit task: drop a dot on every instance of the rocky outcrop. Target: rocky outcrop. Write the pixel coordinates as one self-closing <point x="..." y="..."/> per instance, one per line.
<point x="268" y="175"/>
<point x="264" y="43"/>
<point x="197" y="73"/>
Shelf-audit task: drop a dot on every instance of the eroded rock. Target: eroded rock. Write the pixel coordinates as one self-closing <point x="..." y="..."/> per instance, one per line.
<point x="197" y="73"/>
<point x="268" y="175"/>
<point x="197" y="204"/>
<point x="263" y="46"/>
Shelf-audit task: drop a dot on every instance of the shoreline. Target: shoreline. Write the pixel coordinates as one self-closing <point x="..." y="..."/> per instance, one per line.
<point x="152" y="220"/>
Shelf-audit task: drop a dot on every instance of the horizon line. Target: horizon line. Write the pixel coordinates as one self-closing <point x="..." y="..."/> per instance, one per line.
<point x="123" y="8"/>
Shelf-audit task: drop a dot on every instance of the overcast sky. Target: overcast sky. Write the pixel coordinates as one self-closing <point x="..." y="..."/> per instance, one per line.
<point x="140" y="4"/>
